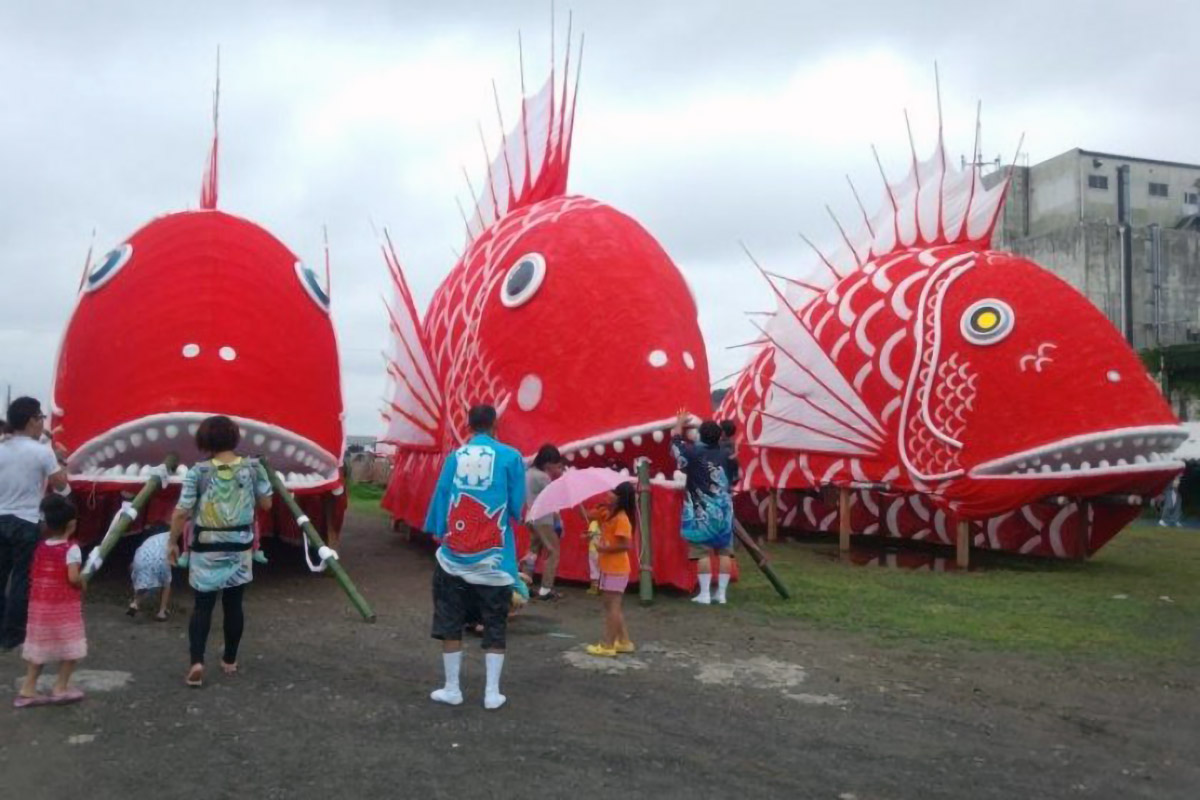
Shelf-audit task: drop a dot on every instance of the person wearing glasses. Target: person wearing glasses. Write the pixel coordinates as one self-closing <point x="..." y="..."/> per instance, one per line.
<point x="27" y="467"/>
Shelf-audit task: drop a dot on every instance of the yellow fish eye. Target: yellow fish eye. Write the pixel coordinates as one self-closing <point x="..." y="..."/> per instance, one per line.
<point x="987" y="321"/>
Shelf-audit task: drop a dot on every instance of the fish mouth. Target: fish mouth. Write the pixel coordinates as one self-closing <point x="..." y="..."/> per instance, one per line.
<point x="649" y="441"/>
<point x="127" y="452"/>
<point x="1125" y="450"/>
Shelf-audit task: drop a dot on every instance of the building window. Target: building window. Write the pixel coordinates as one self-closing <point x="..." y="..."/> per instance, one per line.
<point x="1158" y="190"/>
<point x="1097" y="181"/>
<point x="1192" y="198"/>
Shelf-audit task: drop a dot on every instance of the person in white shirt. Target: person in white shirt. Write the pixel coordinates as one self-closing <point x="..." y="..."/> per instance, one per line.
<point x="27" y="467"/>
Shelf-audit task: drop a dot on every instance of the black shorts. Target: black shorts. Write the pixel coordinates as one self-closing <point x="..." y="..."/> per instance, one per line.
<point x="455" y="602"/>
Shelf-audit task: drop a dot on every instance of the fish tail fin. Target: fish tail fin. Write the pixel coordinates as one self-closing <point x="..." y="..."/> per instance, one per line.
<point x="208" y="187"/>
<point x="413" y="409"/>
<point x="534" y="157"/>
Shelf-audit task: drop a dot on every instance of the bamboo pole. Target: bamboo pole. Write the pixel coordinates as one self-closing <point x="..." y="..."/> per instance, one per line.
<point x="760" y="560"/>
<point x="314" y="539"/>
<point x="843" y="521"/>
<point x="123" y="520"/>
<point x="962" y="545"/>
<point x="645" y="554"/>
<point x="773" y="515"/>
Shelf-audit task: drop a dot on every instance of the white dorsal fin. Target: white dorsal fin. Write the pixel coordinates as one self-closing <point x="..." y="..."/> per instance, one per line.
<point x="414" y="409"/>
<point x="534" y="156"/>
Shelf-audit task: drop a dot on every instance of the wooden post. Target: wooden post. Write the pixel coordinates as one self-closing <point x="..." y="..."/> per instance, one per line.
<point x="962" y="545"/>
<point x="333" y="564"/>
<point x="843" y="520"/>
<point x="773" y="515"/>
<point x="645" y="553"/>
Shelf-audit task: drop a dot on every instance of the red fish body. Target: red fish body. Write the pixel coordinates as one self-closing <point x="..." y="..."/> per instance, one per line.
<point x="945" y="381"/>
<point x="200" y="313"/>
<point x="563" y="313"/>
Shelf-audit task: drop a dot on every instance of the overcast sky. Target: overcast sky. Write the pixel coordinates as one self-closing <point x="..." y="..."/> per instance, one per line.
<point x="709" y="122"/>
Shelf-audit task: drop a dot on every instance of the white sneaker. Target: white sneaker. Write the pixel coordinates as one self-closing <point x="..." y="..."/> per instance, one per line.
<point x="492" y="701"/>
<point x="704" y="601"/>
<point x="448" y="696"/>
<point x="720" y="601"/>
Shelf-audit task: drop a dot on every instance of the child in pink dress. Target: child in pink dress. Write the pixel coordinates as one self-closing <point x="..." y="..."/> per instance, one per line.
<point x="55" y="628"/>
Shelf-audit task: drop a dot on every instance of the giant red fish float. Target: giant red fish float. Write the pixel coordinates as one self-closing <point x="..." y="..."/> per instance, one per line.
<point x="200" y="313"/>
<point x="563" y="313"/>
<point x="942" y="381"/>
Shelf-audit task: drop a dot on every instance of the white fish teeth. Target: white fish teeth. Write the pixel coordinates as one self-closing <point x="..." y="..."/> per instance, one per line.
<point x="114" y="472"/>
<point x="259" y="439"/>
<point x="1138" y="441"/>
<point x="192" y="428"/>
<point x="242" y="432"/>
<point x="109" y="452"/>
<point x="121" y="445"/>
<point x="1085" y="465"/>
<point x="570" y="456"/>
<point x="172" y="431"/>
<point x="1122" y="462"/>
<point x="1077" y="450"/>
<point x="1139" y="459"/>
<point x="1065" y="468"/>
<point x="618" y="446"/>
<point x="152" y="434"/>
<point x="637" y="441"/>
<point x="1036" y="462"/>
<point x="300" y="455"/>
<point x="289" y="449"/>
<point x="133" y="469"/>
<point x="1022" y="465"/>
<point x="274" y="445"/>
<point x="1104" y="464"/>
<point x="293" y="477"/>
<point x="144" y="472"/>
<point x="1058" y="456"/>
<point x="1156" y="457"/>
<point x="657" y="436"/>
<point x="1100" y="446"/>
<point x="598" y="449"/>
<point x="135" y="439"/>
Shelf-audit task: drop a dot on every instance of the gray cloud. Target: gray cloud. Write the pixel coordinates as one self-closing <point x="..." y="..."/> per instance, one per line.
<point x="709" y="122"/>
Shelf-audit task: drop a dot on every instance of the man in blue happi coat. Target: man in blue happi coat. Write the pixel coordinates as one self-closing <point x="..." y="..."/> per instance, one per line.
<point x="480" y="491"/>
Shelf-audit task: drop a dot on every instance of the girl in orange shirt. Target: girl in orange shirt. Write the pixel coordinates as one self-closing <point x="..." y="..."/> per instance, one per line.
<point x="616" y="540"/>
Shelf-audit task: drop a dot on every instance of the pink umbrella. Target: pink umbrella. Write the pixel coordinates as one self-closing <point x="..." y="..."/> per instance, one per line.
<point x="573" y="488"/>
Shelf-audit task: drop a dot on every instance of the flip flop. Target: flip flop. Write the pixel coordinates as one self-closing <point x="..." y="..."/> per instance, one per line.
<point x="21" y="701"/>
<point x="229" y="669"/>
<point x="161" y="616"/>
<point x="67" y="697"/>
<point x="195" y="677"/>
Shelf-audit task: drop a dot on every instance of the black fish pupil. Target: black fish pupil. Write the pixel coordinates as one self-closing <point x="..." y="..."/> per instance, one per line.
<point x="519" y="278"/>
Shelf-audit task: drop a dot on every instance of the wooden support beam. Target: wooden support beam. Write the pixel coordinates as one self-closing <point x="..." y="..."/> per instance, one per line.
<point x="843" y="520"/>
<point x="773" y="515"/>
<point x="962" y="545"/>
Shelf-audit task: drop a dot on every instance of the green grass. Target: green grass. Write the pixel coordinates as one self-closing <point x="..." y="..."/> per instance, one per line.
<point x="365" y="497"/>
<point x="1011" y="604"/>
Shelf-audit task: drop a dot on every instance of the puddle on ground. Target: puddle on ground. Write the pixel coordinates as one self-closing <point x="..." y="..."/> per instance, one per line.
<point x="89" y="680"/>
<point x="913" y="560"/>
<point x="759" y="672"/>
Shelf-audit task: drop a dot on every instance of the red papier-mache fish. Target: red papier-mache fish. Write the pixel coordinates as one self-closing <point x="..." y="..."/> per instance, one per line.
<point x="944" y="381"/>
<point x="563" y="313"/>
<point x="199" y="313"/>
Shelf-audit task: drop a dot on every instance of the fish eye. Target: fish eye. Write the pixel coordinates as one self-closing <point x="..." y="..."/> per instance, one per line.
<point x="107" y="267"/>
<point x="308" y="279"/>
<point x="987" y="321"/>
<point x="522" y="280"/>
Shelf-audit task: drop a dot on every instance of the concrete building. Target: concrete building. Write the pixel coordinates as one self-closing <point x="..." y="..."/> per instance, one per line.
<point x="1124" y="231"/>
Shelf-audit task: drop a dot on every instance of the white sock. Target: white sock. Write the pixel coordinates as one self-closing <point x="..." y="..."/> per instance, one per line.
<point x="492" y="699"/>
<point x="450" y="693"/>
<point x="722" y="585"/>
<point x="705" y="595"/>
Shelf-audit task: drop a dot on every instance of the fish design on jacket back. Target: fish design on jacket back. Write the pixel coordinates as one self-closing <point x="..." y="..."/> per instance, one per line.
<point x="563" y="313"/>
<point x="918" y="360"/>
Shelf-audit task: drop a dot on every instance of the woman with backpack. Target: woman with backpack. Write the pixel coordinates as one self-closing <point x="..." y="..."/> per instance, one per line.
<point x="220" y="496"/>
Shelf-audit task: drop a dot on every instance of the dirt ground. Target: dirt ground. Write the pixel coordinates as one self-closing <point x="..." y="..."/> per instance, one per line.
<point x="717" y="703"/>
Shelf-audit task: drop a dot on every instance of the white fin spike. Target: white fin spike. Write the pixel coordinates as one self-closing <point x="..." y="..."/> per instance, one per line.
<point x="858" y="262"/>
<point x="861" y="207"/>
<point x="795" y="282"/>
<point x="462" y="213"/>
<point x="503" y="135"/>
<point x="821" y="256"/>
<point x="491" y="178"/>
<point x="912" y="146"/>
<point x="471" y="189"/>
